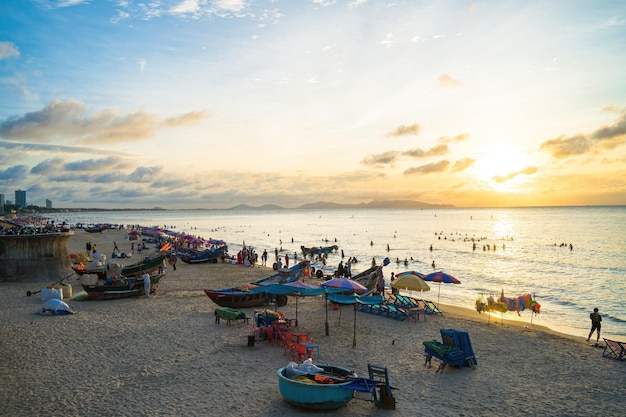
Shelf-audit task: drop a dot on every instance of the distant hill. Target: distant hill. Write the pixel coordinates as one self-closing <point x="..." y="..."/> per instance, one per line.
<point x="263" y="207"/>
<point x="375" y="204"/>
<point x="326" y="205"/>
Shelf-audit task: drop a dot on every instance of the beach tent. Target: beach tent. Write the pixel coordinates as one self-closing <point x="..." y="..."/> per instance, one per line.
<point x="284" y="289"/>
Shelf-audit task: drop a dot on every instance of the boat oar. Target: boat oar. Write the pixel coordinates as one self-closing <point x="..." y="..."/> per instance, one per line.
<point x="66" y="276"/>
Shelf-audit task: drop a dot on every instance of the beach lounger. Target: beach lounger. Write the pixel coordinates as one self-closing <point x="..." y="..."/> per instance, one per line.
<point x="431" y="308"/>
<point x="614" y="349"/>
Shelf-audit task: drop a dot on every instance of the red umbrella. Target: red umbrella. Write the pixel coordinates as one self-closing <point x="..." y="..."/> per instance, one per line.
<point x="134" y="233"/>
<point x="440" y="277"/>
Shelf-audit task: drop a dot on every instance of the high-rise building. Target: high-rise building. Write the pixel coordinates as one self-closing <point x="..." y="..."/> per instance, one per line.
<point x="48" y="204"/>
<point x="2" y="202"/>
<point x="20" y="198"/>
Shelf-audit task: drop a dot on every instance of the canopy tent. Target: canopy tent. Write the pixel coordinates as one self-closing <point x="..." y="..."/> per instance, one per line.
<point x="354" y="300"/>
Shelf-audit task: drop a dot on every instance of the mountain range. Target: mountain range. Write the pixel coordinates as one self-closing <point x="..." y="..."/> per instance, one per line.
<point x="325" y="205"/>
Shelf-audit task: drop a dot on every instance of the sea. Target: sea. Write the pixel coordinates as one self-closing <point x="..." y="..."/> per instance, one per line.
<point x="570" y="259"/>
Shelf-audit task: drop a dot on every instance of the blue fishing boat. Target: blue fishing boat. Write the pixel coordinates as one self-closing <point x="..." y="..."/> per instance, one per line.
<point x="330" y="389"/>
<point x="241" y="296"/>
<point x="207" y="255"/>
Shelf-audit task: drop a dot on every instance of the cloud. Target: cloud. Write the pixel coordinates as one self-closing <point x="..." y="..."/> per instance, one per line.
<point x="563" y="146"/>
<point x="187" y="119"/>
<point x="230" y="5"/>
<point x="435" y="167"/>
<point x="505" y="178"/>
<point x="388" y="157"/>
<point x="49" y="165"/>
<point x="356" y="3"/>
<point x="434" y="151"/>
<point x="186" y="7"/>
<point x="58" y="4"/>
<point x="462" y="164"/>
<point x="8" y="49"/>
<point x="458" y="138"/>
<point x="325" y="3"/>
<point x="71" y="120"/>
<point x="403" y="130"/>
<point x="606" y="137"/>
<point x="144" y="174"/>
<point x="388" y="41"/>
<point x="13" y="174"/>
<point x="445" y="80"/>
<point x="92" y="165"/>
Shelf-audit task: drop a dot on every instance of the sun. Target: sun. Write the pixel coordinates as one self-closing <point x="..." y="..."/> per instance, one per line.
<point x="498" y="162"/>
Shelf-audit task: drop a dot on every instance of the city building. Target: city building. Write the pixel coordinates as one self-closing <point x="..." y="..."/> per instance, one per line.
<point x="48" y="204"/>
<point x="2" y="203"/>
<point x="20" y="198"/>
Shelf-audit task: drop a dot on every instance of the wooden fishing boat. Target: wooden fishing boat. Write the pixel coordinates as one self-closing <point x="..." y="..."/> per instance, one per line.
<point x="369" y="278"/>
<point x="117" y="288"/>
<point x="148" y="264"/>
<point x="318" y="250"/>
<point x="201" y="256"/>
<point x="303" y="390"/>
<point x="241" y="296"/>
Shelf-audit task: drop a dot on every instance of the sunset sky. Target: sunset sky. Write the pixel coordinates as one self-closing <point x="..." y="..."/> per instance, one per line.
<point x="214" y="103"/>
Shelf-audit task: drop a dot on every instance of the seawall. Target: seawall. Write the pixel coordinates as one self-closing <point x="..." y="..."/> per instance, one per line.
<point x="34" y="257"/>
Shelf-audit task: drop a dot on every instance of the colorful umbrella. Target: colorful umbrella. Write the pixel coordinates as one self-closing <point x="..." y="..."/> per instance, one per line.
<point x="347" y="284"/>
<point x="411" y="281"/>
<point x="440" y="277"/>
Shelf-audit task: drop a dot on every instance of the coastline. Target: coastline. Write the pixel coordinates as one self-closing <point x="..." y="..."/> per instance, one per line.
<point x="166" y="356"/>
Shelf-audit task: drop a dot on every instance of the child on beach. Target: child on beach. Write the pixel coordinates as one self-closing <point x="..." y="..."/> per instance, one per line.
<point x="596" y="324"/>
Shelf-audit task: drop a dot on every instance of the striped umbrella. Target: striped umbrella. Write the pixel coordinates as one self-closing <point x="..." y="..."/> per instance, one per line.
<point x="440" y="277"/>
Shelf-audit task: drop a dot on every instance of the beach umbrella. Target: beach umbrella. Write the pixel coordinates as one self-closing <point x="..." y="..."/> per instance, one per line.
<point x="440" y="277"/>
<point x="410" y="281"/>
<point x="134" y="233"/>
<point x="298" y="287"/>
<point x="345" y="284"/>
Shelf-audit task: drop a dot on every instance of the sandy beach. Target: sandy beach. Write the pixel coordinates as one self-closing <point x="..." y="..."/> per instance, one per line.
<point x="166" y="356"/>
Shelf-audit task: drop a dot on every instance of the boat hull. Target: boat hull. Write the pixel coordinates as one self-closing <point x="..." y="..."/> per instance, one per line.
<point x="147" y="265"/>
<point x="135" y="288"/>
<point x="236" y="297"/>
<point x="316" y="396"/>
<point x="238" y="300"/>
<point x="203" y="256"/>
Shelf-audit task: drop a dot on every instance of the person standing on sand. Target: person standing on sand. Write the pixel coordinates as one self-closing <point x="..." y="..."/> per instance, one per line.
<point x="596" y="324"/>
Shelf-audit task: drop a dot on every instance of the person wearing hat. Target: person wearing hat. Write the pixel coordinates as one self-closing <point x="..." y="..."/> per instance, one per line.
<point x="596" y="324"/>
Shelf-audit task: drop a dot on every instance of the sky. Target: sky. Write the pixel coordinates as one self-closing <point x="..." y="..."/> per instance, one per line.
<point x="215" y="103"/>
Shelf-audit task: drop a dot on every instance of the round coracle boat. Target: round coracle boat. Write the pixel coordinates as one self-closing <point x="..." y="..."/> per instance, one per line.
<point x="323" y="390"/>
